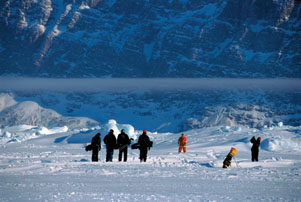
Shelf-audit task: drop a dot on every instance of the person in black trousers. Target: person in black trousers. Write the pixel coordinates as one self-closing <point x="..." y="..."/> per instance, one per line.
<point x="123" y="141"/>
<point x="96" y="146"/>
<point x="144" y="145"/>
<point x="110" y="141"/>
<point x="255" y="148"/>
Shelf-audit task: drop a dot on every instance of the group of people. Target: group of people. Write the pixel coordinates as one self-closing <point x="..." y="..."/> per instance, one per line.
<point x="182" y="142"/>
<point x="122" y="142"/>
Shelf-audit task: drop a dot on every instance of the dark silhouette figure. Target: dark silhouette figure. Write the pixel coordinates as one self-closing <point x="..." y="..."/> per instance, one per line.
<point x="144" y="145"/>
<point x="110" y="141"/>
<point x="123" y="141"/>
<point x="96" y="146"/>
<point x="255" y="148"/>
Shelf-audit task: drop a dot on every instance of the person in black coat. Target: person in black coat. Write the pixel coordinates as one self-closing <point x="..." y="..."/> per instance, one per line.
<point x="96" y="146"/>
<point x="123" y="141"/>
<point x="110" y="141"/>
<point x="255" y="148"/>
<point x="144" y="145"/>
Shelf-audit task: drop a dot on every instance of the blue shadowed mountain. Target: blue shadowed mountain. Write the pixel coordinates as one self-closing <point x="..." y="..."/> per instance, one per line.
<point x="165" y="38"/>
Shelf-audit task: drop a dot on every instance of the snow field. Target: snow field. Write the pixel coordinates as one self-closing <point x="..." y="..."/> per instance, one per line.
<point x="57" y="168"/>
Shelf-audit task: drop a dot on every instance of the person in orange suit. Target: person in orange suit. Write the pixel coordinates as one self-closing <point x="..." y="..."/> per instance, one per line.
<point x="182" y="142"/>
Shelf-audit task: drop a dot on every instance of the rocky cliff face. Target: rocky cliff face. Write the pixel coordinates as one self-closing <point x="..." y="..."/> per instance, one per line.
<point x="170" y="38"/>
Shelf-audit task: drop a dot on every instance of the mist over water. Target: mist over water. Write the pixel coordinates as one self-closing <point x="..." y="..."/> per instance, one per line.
<point x="134" y="84"/>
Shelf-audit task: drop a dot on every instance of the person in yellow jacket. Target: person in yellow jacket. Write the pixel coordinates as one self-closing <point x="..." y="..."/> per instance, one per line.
<point x="182" y="142"/>
<point x="227" y="161"/>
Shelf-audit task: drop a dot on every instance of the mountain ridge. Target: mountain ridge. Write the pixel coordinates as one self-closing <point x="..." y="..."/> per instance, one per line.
<point x="249" y="39"/>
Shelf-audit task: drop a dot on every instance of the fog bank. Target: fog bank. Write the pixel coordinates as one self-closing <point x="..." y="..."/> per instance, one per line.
<point x="134" y="84"/>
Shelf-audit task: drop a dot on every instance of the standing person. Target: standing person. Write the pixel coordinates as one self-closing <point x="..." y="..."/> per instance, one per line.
<point x="182" y="142"/>
<point x="255" y="148"/>
<point x="110" y="141"/>
<point x="144" y="145"/>
<point x="123" y="141"/>
<point x="96" y="146"/>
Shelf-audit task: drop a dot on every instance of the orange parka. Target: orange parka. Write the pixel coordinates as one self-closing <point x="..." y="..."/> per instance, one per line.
<point x="182" y="141"/>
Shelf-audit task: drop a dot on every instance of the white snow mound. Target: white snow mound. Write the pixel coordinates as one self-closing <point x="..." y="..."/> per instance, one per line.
<point x="112" y="124"/>
<point x="281" y="143"/>
<point x="6" y="101"/>
<point x="25" y="132"/>
<point x="13" y="113"/>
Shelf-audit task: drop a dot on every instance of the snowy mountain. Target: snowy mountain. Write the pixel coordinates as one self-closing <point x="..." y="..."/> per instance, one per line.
<point x="13" y="113"/>
<point x="174" y="38"/>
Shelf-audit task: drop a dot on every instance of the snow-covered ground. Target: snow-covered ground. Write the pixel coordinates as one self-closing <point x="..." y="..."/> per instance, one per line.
<point x="50" y="164"/>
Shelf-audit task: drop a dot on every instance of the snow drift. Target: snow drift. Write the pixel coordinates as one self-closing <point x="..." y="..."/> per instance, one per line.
<point x="24" y="132"/>
<point x="20" y="133"/>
